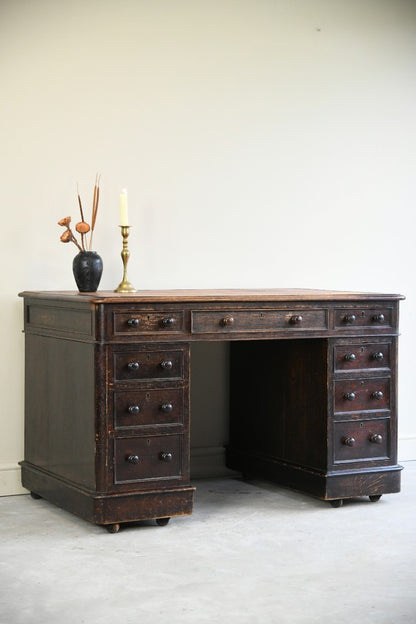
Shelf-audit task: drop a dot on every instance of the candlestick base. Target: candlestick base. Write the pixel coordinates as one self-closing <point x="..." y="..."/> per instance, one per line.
<point x="125" y="287"/>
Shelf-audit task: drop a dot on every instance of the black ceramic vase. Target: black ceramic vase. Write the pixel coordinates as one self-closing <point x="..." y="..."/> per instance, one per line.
<point x="87" y="268"/>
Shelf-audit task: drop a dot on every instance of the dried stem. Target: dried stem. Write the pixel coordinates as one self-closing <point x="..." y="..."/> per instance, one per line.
<point x="82" y="219"/>
<point x="83" y="227"/>
<point x="74" y="240"/>
<point x="80" y="205"/>
<point x="95" y="201"/>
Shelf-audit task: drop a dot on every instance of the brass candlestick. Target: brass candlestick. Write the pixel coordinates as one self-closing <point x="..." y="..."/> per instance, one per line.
<point x="125" y="285"/>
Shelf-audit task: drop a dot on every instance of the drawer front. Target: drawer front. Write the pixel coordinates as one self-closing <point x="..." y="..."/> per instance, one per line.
<point x="361" y="440"/>
<point x="362" y="356"/>
<point x="140" y="365"/>
<point x="362" y="394"/>
<point x="256" y="321"/>
<point x="376" y="318"/>
<point x="148" y="407"/>
<point x="145" y="458"/>
<point x="143" y="322"/>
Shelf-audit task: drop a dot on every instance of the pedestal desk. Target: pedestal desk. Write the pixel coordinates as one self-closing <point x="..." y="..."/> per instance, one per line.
<point x="107" y="409"/>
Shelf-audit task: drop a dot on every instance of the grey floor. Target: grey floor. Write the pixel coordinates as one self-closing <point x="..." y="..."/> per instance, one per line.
<point x="251" y="553"/>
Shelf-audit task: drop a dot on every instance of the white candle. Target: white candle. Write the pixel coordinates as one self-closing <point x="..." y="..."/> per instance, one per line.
<point x="124" y="213"/>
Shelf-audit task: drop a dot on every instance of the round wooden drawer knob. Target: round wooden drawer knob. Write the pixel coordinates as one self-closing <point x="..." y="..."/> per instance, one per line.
<point x="166" y="457"/>
<point x="166" y="407"/>
<point x="376" y="438"/>
<point x="133" y="366"/>
<point x="348" y="441"/>
<point x="133" y="409"/>
<point x="379" y="318"/>
<point x="167" y="322"/>
<point x="349" y="396"/>
<point x="166" y="364"/>
<point x="133" y="322"/>
<point x="350" y="318"/>
<point x="133" y="459"/>
<point x="350" y="357"/>
<point x="227" y="321"/>
<point x="377" y="394"/>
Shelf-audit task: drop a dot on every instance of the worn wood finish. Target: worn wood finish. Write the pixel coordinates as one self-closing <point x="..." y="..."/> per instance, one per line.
<point x="211" y="295"/>
<point x="263" y="320"/>
<point x="144" y="408"/>
<point x="354" y="356"/>
<point x="313" y="389"/>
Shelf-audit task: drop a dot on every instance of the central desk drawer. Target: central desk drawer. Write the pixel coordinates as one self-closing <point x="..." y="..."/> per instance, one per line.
<point x="144" y="458"/>
<point x="257" y="321"/>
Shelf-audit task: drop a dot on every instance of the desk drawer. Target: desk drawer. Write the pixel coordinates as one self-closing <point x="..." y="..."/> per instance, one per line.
<point x="139" y="365"/>
<point x="141" y="322"/>
<point x="351" y="357"/>
<point x="148" y="407"/>
<point x="375" y="318"/>
<point x="145" y="458"/>
<point x="360" y="440"/>
<point x="256" y="321"/>
<point x="362" y="394"/>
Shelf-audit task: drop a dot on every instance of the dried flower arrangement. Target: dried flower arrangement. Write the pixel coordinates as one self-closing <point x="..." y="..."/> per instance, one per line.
<point x="82" y="227"/>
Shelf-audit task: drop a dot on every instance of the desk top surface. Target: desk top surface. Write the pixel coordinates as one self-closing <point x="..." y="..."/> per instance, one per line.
<point x="211" y="295"/>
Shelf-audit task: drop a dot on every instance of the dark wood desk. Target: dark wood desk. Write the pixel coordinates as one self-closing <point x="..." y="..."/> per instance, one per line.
<point x="312" y="387"/>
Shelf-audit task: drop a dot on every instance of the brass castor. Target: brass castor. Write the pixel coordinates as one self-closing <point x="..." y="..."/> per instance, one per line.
<point x="375" y="497"/>
<point x="162" y="521"/>
<point x="113" y="528"/>
<point x="336" y="503"/>
<point x="35" y="496"/>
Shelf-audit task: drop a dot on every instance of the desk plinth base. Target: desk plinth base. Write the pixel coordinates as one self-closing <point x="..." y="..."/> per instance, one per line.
<point x="107" y="509"/>
<point x="329" y="486"/>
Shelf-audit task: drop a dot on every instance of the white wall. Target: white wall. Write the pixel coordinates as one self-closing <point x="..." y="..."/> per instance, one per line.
<point x="263" y="143"/>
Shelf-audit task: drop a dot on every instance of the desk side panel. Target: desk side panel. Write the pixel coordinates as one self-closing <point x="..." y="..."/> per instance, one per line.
<point x="59" y="408"/>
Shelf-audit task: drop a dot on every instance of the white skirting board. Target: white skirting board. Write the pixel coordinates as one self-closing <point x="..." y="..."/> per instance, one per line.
<point x="10" y="480"/>
<point x="206" y="462"/>
<point x="407" y="449"/>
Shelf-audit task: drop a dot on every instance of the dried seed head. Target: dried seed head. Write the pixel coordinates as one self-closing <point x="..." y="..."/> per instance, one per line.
<point x="66" y="236"/>
<point x="65" y="221"/>
<point x="82" y="227"/>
